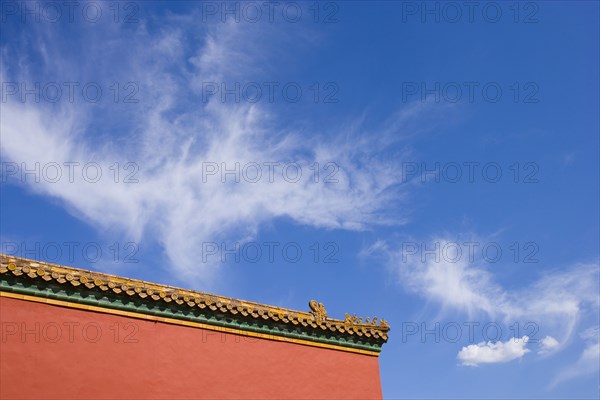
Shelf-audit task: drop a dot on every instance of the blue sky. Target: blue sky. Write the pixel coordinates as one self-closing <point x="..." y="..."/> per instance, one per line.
<point x="436" y="167"/>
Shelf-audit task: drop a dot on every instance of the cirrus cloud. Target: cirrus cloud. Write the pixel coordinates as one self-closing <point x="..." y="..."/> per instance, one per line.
<point x="173" y="135"/>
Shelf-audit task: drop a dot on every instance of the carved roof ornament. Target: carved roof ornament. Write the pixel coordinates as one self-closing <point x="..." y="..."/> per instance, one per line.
<point x="317" y="310"/>
<point x="353" y="320"/>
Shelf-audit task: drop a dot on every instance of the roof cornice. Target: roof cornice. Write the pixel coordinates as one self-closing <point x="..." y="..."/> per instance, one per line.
<point x="32" y="277"/>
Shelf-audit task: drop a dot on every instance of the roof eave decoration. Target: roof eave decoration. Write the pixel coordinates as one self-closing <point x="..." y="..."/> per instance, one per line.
<point x="49" y="280"/>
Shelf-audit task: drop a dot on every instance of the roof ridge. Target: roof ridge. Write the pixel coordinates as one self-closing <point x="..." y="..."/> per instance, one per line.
<point x="32" y="263"/>
<point x="316" y="317"/>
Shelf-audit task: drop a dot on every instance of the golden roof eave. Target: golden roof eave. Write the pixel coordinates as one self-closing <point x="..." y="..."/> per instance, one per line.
<point x="315" y="318"/>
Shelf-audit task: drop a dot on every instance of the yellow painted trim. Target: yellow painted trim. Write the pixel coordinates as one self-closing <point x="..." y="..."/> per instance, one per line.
<point x="174" y="321"/>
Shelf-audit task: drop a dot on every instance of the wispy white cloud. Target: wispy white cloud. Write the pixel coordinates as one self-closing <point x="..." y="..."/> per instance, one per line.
<point x="172" y="135"/>
<point x="559" y="302"/>
<point x="558" y="297"/>
<point x="588" y="362"/>
<point x="451" y="281"/>
<point x="490" y="352"/>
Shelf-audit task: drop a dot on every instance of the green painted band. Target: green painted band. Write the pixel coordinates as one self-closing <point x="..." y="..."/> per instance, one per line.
<point x="142" y="308"/>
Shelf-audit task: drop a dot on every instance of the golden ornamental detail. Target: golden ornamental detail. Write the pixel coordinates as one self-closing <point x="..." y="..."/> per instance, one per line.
<point x="317" y="310"/>
<point x="353" y="320"/>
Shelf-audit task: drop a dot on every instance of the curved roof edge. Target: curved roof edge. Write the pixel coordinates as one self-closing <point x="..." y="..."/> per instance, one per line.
<point x="99" y="292"/>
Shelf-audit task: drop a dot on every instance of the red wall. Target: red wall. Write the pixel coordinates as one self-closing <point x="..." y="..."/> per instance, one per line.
<point x="54" y="352"/>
